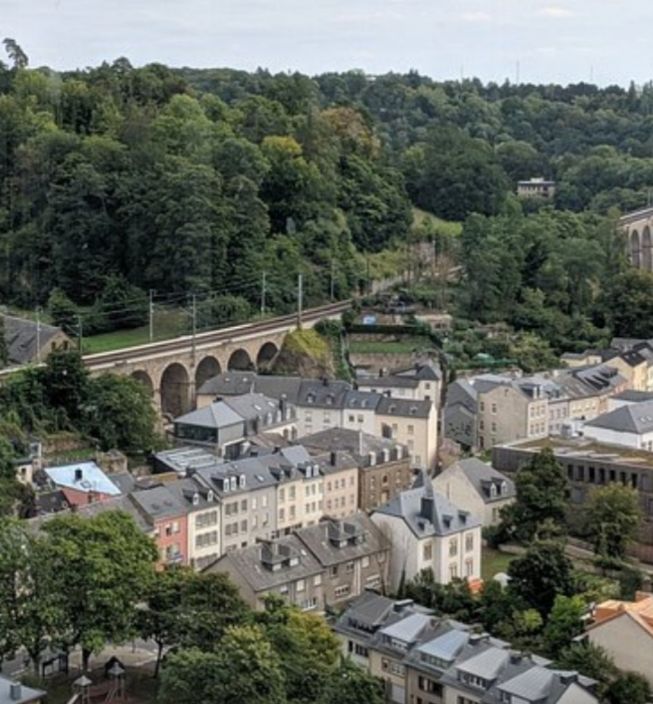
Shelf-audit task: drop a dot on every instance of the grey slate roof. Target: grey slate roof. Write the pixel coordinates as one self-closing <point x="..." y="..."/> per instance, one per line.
<point x="355" y="442"/>
<point x="368" y="612"/>
<point x="321" y="539"/>
<point x="158" y="502"/>
<point x="447" y="645"/>
<point x="252" y="562"/>
<point x="183" y="458"/>
<point x="632" y="418"/>
<point x="482" y="476"/>
<point x="215" y="415"/>
<point x="21" y="337"/>
<point x="426" y="512"/>
<point x="406" y="408"/>
<point x="407" y="629"/>
<point x="487" y="664"/>
<point x="633" y="396"/>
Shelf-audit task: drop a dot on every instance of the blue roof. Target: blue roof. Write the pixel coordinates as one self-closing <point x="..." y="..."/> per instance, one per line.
<point x="83" y="476"/>
<point x="447" y="646"/>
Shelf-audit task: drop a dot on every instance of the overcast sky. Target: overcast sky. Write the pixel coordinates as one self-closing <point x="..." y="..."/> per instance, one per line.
<point x="561" y="40"/>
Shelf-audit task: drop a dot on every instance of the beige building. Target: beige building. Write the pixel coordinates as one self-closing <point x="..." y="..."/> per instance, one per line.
<point x="340" y="472"/>
<point x="625" y="630"/>
<point x="413" y="424"/>
<point x="536" y="188"/>
<point x="384" y="467"/>
<point x="422" y="382"/>
<point x="315" y="567"/>
<point x="476" y="487"/>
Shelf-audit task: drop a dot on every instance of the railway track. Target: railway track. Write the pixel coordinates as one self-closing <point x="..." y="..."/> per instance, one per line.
<point x="230" y="334"/>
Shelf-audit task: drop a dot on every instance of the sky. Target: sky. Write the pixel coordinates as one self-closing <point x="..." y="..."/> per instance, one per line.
<point x="540" y="41"/>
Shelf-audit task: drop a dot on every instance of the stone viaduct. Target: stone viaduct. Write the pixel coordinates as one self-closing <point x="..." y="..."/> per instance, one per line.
<point x="172" y="370"/>
<point x="637" y="227"/>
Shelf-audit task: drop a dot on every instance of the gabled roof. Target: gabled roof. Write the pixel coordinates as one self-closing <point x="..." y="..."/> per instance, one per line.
<point x="632" y="418"/>
<point x="407" y="629"/>
<point x="85" y="477"/>
<point x="158" y="502"/>
<point x="355" y="442"/>
<point x="427" y="512"/>
<point x="333" y="542"/>
<point x="216" y="415"/>
<point x="482" y="477"/>
<point x="446" y="646"/>
<point x="487" y="664"/>
<point x="23" y="338"/>
<point x="253" y="563"/>
<point x="406" y="408"/>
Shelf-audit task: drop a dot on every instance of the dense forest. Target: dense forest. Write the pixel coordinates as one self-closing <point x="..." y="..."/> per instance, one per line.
<point x="117" y="180"/>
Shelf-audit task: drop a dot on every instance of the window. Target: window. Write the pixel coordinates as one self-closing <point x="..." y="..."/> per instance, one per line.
<point x="342" y="591"/>
<point x="453" y="547"/>
<point x="469" y="542"/>
<point x="349" y="567"/>
<point x="243" y="505"/>
<point x="411" y="430"/>
<point x="365" y="562"/>
<point x="317" y="580"/>
<point x="204" y="520"/>
<point x="282" y="496"/>
<point x="453" y="570"/>
<point x="334" y="571"/>
<point x="292" y="493"/>
<point x="243" y="526"/>
<point x="300" y="585"/>
<point x="469" y="568"/>
<point x="427" y="552"/>
<point x="494" y="408"/>
<point x="282" y="514"/>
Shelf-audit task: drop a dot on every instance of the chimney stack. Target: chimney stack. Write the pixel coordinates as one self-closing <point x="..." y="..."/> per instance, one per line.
<point x="333" y="458"/>
<point x="15" y="691"/>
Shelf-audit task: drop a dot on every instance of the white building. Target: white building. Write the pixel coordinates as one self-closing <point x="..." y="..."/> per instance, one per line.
<point x="476" y="487"/>
<point x="630" y="425"/>
<point x="428" y="532"/>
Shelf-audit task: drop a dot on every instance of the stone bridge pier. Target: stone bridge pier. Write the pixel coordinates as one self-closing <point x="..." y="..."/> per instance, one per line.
<point x="636" y="228"/>
<point x="173" y="379"/>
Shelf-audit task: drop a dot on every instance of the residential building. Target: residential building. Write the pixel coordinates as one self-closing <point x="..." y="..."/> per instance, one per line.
<point x="353" y="553"/>
<point x="203" y="520"/>
<point x="427" y="531"/>
<point x="589" y="464"/>
<point x="30" y="342"/>
<point x="166" y="516"/>
<point x="317" y="566"/>
<point x="421" y="382"/>
<point x="624" y="629"/>
<point x="324" y="404"/>
<point x="13" y="692"/>
<point x="384" y="467"/>
<point x="424" y="659"/>
<point x="340" y="472"/>
<point x="228" y="426"/>
<point x="536" y="188"/>
<point x="490" y="409"/>
<point x="81" y="483"/>
<point x="476" y="487"/>
<point x="630" y="425"/>
<point x="282" y="567"/>
<point x="410" y="423"/>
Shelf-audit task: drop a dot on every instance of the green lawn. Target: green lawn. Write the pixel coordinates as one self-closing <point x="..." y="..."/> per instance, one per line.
<point x="167" y="324"/>
<point x="404" y="346"/>
<point x="445" y="226"/>
<point x="493" y="561"/>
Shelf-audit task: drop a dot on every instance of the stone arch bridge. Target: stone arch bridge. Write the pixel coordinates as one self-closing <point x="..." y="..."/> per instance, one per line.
<point x="637" y="228"/>
<point x="172" y="370"/>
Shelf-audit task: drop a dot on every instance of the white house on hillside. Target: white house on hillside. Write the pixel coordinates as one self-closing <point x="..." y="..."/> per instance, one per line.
<point x="630" y="425"/>
<point x="476" y="487"/>
<point x="428" y="531"/>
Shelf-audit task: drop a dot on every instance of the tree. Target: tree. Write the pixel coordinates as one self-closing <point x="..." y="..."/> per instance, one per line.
<point x="612" y="519"/>
<point x="162" y="617"/>
<point x="629" y="303"/>
<point x="564" y="623"/>
<point x="245" y="668"/>
<point x="591" y="660"/>
<point x="120" y="305"/>
<point x="17" y="56"/>
<point x="65" y="383"/>
<point x="629" y="688"/>
<point x="351" y="684"/>
<point x="541" y="488"/>
<point x="30" y="615"/>
<point x="307" y="649"/>
<point x="119" y="414"/>
<point x="541" y="574"/>
<point x="211" y="605"/>
<point x="101" y="567"/>
<point x="63" y="312"/>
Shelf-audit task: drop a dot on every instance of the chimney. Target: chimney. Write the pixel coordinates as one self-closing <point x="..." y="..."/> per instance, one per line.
<point x="325" y="381"/>
<point x="15" y="691"/>
<point x="333" y="458"/>
<point x="79" y="474"/>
